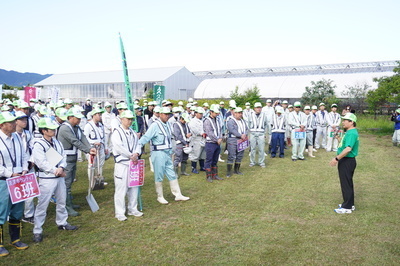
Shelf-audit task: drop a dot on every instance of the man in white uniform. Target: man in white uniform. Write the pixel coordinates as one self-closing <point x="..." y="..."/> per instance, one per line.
<point x="51" y="179"/>
<point x="125" y="149"/>
<point x="321" y="121"/>
<point x="258" y="124"/>
<point x="95" y="134"/>
<point x="106" y="119"/>
<point x="198" y="142"/>
<point x="333" y="121"/>
<point x="297" y="121"/>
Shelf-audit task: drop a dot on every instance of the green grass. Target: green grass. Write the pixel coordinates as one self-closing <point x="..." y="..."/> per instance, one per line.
<point x="379" y="125"/>
<point x="279" y="215"/>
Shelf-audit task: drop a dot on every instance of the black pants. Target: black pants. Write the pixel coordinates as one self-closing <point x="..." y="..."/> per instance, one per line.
<point x="314" y="135"/>
<point x="346" y="167"/>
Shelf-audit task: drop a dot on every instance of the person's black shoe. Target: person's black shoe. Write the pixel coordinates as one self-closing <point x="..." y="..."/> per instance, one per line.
<point x="28" y="220"/>
<point x="281" y="156"/>
<point x="302" y="159"/>
<point x="294" y="160"/>
<point x="273" y="156"/>
<point x="37" y="238"/>
<point x="67" y="227"/>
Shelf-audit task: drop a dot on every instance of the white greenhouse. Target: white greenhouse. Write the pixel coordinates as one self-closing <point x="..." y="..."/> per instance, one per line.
<point x="179" y="83"/>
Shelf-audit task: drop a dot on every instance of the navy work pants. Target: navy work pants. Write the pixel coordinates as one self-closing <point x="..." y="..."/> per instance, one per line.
<point x="212" y="155"/>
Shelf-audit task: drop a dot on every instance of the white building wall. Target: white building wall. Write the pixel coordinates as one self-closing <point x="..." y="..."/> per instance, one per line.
<point x="181" y="85"/>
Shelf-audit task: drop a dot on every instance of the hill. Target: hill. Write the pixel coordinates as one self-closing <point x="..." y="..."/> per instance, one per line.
<point x="18" y="79"/>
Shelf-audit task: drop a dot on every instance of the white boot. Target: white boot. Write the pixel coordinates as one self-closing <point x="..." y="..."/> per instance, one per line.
<point x="220" y="159"/>
<point x="310" y="151"/>
<point x="160" y="194"/>
<point x="176" y="190"/>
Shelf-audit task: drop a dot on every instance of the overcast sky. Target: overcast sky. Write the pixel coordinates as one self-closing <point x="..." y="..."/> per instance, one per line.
<point x="46" y="36"/>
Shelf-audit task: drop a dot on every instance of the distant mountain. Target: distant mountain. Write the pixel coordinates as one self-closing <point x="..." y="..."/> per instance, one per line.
<point x="18" y="79"/>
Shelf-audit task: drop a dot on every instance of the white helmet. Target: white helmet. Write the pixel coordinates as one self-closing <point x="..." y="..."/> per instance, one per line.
<point x="187" y="150"/>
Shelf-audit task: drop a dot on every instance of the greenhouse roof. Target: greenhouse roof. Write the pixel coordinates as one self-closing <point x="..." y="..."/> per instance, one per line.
<point x="117" y="76"/>
<point x="282" y="87"/>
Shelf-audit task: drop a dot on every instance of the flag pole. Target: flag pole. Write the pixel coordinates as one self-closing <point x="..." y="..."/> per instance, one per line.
<point x="129" y="103"/>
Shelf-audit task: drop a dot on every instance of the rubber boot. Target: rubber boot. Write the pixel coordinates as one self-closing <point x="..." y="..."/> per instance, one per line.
<point x="176" y="191"/>
<point x="160" y="194"/>
<point x="3" y="251"/>
<point x="289" y="142"/>
<point x="237" y="167"/>
<point x="194" y="166"/>
<point x="15" y="228"/>
<point x="176" y="170"/>
<point x="214" y="172"/>
<point x="229" y="170"/>
<point x="69" y="207"/>
<point x="209" y="175"/>
<point x="201" y="162"/>
<point x="183" y="169"/>
<point x="310" y="151"/>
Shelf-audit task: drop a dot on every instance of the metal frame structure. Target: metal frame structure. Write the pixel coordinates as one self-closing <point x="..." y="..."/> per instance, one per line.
<point x="381" y="66"/>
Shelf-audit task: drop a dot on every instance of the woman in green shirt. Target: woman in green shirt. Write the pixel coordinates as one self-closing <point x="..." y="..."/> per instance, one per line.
<point x="346" y="162"/>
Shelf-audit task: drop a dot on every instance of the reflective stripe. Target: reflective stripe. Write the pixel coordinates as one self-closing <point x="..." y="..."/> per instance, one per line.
<point x="129" y="143"/>
<point x="258" y="122"/>
<point x="8" y="162"/>
<point x="98" y="131"/>
<point x="216" y="130"/>
<point x="73" y="150"/>
<point x="182" y="132"/>
<point x="167" y="138"/>
<point x="46" y="146"/>
<point x="335" y="117"/>
<point x="278" y="127"/>
<point x="36" y="132"/>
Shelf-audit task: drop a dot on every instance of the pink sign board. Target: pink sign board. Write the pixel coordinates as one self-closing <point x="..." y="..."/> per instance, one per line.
<point x="136" y="173"/>
<point x="23" y="187"/>
<point x="30" y="93"/>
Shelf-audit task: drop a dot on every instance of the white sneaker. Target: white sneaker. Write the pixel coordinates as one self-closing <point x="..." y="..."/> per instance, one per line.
<point x="306" y="150"/>
<point x="314" y="150"/>
<point x="226" y="152"/>
<point x="251" y="165"/>
<point x="353" y="208"/>
<point x="105" y="183"/>
<point x="342" y="210"/>
<point x="220" y="160"/>
<point x="121" y="218"/>
<point x="136" y="213"/>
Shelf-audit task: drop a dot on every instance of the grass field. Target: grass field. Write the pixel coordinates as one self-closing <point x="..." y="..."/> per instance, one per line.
<point x="282" y="214"/>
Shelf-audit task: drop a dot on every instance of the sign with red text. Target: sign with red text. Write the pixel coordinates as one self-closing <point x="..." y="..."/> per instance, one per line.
<point x="136" y="173"/>
<point x="243" y="144"/>
<point x="23" y="187"/>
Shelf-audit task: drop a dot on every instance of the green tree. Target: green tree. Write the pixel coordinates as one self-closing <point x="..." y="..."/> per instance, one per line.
<point x="251" y="95"/>
<point x="357" y="94"/>
<point x="320" y="91"/>
<point x="150" y="94"/>
<point x="388" y="90"/>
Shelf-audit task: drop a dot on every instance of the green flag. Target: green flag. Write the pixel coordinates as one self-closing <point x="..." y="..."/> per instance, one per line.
<point x="128" y="92"/>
